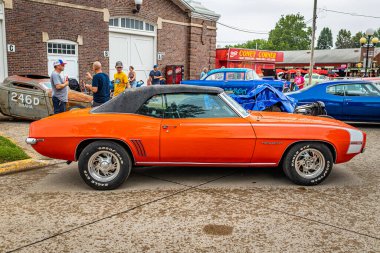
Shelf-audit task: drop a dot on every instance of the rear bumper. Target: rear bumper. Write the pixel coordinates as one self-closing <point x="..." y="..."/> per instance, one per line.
<point x="33" y="141"/>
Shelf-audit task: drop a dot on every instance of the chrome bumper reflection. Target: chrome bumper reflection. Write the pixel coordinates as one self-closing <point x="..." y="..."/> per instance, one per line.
<point x="33" y="141"/>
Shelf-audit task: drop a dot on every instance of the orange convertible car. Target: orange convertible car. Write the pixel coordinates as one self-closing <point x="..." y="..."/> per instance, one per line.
<point x="192" y="126"/>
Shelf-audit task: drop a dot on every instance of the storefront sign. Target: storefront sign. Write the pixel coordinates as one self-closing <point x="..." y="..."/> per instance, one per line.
<point x="255" y="55"/>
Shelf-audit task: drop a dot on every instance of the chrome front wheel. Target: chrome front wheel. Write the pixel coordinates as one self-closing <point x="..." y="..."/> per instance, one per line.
<point x="310" y="163"/>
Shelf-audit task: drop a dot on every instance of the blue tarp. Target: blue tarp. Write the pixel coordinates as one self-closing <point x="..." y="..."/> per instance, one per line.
<point x="264" y="96"/>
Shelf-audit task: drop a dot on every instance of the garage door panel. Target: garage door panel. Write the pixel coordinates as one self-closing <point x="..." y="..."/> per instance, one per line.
<point x="143" y="55"/>
<point x="134" y="50"/>
<point x="142" y="51"/>
<point x="119" y="51"/>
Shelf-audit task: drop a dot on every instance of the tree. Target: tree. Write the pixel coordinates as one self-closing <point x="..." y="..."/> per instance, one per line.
<point x="325" y="39"/>
<point x="290" y="33"/>
<point x="344" y="40"/>
<point x="261" y="44"/>
<point x="377" y="35"/>
<point x="356" y="39"/>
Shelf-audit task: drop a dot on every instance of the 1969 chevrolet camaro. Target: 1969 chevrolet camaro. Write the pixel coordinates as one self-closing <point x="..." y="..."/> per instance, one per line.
<point x="192" y="126"/>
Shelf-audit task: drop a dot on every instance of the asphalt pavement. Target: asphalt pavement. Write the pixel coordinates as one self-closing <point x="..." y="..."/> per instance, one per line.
<point x="181" y="209"/>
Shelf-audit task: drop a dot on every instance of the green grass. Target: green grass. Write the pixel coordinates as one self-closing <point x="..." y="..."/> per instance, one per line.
<point x="9" y="152"/>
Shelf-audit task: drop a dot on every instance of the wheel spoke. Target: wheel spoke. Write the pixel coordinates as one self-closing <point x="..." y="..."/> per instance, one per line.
<point x="104" y="166"/>
<point x="309" y="163"/>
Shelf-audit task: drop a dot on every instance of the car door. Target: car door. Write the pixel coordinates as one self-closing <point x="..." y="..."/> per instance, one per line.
<point x="333" y="97"/>
<point x="27" y="101"/>
<point x="362" y="102"/>
<point x="202" y="128"/>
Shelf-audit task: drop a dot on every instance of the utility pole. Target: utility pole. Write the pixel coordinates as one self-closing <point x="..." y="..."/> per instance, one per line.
<point x="313" y="41"/>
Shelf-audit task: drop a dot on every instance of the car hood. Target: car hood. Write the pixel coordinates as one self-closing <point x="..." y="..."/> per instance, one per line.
<point x="290" y="118"/>
<point x="76" y="96"/>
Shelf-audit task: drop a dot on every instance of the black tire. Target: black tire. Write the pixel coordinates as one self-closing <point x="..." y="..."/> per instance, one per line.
<point x="100" y="149"/>
<point x="298" y="176"/>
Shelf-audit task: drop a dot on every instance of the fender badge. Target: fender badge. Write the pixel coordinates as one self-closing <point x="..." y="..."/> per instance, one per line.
<point x="272" y="143"/>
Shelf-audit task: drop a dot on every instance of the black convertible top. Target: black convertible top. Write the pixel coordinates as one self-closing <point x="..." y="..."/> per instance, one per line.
<point x="131" y="100"/>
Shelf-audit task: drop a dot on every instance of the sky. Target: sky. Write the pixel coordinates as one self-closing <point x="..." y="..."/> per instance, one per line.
<point x="262" y="16"/>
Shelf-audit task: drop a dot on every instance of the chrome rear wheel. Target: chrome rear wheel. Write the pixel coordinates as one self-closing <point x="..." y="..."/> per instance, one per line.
<point x="104" y="166"/>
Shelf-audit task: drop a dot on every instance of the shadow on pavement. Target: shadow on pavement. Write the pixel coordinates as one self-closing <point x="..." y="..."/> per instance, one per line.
<point x="67" y="179"/>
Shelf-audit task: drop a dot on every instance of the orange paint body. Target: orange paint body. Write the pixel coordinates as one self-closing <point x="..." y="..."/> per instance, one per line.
<point x="261" y="139"/>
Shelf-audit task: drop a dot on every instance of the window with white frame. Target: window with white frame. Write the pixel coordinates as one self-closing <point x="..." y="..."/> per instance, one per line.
<point x="130" y="23"/>
<point x="61" y="48"/>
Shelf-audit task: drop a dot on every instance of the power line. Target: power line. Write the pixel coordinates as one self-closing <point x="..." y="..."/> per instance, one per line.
<point x="351" y="14"/>
<point x="232" y="27"/>
<point x="241" y="29"/>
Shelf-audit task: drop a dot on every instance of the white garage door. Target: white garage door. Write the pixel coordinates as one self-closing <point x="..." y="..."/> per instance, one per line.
<point x="3" y="52"/>
<point x="133" y="50"/>
<point x="66" y="51"/>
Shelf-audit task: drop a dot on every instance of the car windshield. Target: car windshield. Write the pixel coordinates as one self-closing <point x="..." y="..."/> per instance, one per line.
<point x="252" y="75"/>
<point x="236" y="106"/>
<point x="47" y="85"/>
<point x="377" y="84"/>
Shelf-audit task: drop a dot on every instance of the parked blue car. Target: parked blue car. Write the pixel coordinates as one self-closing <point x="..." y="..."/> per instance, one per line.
<point x="238" y="80"/>
<point x="347" y="100"/>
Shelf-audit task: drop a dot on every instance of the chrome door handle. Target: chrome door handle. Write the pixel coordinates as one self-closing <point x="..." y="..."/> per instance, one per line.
<point x="348" y="100"/>
<point x="166" y="126"/>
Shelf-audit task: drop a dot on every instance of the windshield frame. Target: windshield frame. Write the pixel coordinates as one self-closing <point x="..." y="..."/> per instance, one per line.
<point x="46" y="85"/>
<point x="234" y="105"/>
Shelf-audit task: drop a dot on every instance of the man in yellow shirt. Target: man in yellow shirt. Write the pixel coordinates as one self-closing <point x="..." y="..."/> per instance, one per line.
<point x="120" y="80"/>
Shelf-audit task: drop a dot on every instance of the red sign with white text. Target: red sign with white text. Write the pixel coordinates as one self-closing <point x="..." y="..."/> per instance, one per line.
<point x="254" y="55"/>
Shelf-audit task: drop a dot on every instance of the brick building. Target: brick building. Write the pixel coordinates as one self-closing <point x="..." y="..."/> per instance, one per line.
<point x="34" y="33"/>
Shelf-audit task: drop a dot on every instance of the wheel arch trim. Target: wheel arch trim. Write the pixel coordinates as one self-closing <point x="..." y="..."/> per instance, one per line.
<point x="329" y="145"/>
<point x="91" y="140"/>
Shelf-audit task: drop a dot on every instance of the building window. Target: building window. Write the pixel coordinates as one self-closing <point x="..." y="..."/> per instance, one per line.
<point x="130" y="23"/>
<point x="61" y="48"/>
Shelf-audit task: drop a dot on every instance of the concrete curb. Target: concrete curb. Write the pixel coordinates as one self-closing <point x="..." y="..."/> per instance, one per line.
<point x="22" y="165"/>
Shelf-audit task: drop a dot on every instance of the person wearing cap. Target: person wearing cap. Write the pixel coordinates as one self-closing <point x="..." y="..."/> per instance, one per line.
<point x="155" y="75"/>
<point x="100" y="86"/>
<point x="59" y="87"/>
<point x="120" y="80"/>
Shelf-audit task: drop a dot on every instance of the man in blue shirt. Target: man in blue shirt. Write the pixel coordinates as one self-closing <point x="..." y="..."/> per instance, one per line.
<point x="155" y="75"/>
<point x="100" y="85"/>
